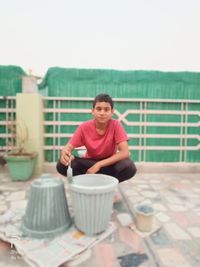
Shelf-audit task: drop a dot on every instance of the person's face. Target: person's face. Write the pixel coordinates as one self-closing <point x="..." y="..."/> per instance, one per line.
<point x="102" y="112"/>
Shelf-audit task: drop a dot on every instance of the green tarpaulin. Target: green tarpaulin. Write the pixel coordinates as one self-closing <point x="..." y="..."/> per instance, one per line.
<point x="10" y="80"/>
<point x="130" y="84"/>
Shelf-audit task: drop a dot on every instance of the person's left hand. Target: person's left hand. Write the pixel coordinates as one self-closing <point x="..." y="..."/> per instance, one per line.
<point x="94" y="169"/>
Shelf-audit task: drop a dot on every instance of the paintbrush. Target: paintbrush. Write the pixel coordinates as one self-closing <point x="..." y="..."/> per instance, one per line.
<point x="69" y="171"/>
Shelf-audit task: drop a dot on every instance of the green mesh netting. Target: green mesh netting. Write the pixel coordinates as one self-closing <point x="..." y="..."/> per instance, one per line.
<point x="130" y="84"/>
<point x="10" y="80"/>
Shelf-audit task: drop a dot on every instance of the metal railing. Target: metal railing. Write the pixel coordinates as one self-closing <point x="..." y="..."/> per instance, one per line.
<point x="7" y="117"/>
<point x="180" y="117"/>
<point x="153" y="125"/>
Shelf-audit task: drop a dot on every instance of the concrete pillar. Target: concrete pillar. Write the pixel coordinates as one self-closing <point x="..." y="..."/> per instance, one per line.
<point x="29" y="84"/>
<point x="29" y="115"/>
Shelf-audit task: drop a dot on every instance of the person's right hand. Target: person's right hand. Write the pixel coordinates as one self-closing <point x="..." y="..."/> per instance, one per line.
<point x="65" y="156"/>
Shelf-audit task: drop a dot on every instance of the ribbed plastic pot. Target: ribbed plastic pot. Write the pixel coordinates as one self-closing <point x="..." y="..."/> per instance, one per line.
<point x="92" y="201"/>
<point x="47" y="213"/>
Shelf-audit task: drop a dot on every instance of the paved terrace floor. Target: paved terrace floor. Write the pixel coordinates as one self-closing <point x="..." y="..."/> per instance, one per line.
<point x="173" y="191"/>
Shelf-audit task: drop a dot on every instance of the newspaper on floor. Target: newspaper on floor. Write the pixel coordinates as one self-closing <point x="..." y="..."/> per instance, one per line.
<point x="47" y="252"/>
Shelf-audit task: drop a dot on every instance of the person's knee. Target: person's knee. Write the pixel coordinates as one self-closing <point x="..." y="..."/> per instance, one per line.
<point x="130" y="171"/>
<point x="125" y="167"/>
<point x="62" y="169"/>
<point x="133" y="169"/>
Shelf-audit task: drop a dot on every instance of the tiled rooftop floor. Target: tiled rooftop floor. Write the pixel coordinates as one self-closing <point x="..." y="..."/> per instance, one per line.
<point x="175" y="197"/>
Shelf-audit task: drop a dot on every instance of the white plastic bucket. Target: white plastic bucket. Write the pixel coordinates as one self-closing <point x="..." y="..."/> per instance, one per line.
<point x="92" y="201"/>
<point x="144" y="218"/>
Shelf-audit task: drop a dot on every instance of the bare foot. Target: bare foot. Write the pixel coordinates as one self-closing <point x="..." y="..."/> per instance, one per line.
<point x="117" y="197"/>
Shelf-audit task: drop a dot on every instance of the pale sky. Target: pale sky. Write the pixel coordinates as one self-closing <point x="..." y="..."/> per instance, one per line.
<point x="107" y="34"/>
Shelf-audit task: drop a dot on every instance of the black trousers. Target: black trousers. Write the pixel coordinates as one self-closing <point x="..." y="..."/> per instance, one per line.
<point x="122" y="170"/>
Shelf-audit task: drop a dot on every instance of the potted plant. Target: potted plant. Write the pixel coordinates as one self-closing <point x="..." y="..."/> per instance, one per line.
<point x="20" y="162"/>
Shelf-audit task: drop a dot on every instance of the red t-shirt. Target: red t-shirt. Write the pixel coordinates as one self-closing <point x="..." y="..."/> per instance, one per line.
<point x="99" y="146"/>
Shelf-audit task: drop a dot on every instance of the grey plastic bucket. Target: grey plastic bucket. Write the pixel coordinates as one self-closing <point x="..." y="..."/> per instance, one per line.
<point x="92" y="201"/>
<point x="47" y="213"/>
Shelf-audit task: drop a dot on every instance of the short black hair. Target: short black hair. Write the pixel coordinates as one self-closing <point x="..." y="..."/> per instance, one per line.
<point x="103" y="98"/>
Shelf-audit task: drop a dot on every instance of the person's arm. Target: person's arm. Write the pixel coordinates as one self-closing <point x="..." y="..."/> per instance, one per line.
<point x="75" y="141"/>
<point x="123" y="153"/>
<point x="66" y="154"/>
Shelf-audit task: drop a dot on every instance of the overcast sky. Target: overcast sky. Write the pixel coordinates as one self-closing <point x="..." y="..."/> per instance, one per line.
<point x="110" y="34"/>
